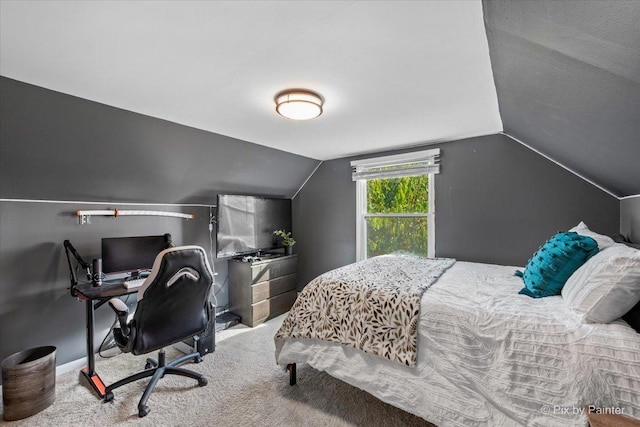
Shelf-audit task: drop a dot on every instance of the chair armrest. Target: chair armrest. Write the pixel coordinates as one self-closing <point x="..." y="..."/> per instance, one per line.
<point x="122" y="311"/>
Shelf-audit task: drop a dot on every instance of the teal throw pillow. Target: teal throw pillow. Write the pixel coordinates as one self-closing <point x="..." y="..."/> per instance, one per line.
<point x="554" y="262"/>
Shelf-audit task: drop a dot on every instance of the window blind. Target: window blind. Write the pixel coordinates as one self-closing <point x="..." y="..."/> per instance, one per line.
<point x="407" y="164"/>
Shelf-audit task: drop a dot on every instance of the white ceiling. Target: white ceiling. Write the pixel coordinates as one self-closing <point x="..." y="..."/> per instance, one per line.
<point x="393" y="74"/>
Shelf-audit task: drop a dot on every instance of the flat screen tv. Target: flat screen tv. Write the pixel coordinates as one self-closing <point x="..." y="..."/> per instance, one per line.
<point x="246" y="224"/>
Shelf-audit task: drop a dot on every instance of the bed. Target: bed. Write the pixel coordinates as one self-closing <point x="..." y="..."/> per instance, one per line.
<point x="487" y="355"/>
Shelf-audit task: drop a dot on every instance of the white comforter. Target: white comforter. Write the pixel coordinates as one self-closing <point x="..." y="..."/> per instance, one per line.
<point x="489" y="356"/>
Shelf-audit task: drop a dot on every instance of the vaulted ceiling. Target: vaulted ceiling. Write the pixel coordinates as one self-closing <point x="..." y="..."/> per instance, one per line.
<point x="567" y="75"/>
<point x="392" y="73"/>
<point x="561" y="76"/>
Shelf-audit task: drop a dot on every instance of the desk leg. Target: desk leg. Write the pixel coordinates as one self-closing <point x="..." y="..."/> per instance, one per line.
<point x="89" y="371"/>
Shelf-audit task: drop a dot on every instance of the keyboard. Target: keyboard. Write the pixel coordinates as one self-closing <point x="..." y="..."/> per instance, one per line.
<point x="134" y="283"/>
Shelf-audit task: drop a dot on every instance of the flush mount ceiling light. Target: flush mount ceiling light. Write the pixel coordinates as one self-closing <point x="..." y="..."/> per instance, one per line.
<point x="299" y="104"/>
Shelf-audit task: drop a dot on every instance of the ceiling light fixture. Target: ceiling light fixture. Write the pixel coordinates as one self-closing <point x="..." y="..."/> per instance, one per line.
<point x="299" y="104"/>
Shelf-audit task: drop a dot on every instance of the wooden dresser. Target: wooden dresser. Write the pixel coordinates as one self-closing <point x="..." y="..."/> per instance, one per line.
<point x="260" y="290"/>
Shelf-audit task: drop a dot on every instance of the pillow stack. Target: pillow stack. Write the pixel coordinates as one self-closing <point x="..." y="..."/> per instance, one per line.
<point x="606" y="287"/>
<point x="598" y="278"/>
<point x="603" y="241"/>
<point x="554" y="262"/>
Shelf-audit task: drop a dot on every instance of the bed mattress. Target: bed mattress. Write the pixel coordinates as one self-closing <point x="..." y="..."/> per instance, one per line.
<point x="489" y="356"/>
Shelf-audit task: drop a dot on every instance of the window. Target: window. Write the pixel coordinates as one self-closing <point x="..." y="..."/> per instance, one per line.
<point x="395" y="204"/>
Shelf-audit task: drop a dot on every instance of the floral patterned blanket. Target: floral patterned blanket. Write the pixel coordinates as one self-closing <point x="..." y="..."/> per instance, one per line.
<point x="372" y="305"/>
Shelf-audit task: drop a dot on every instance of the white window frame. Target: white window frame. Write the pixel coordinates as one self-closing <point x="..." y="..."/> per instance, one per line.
<point x="361" y="203"/>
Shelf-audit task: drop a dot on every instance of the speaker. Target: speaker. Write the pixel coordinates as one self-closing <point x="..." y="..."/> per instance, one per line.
<point x="97" y="272"/>
<point x="207" y="342"/>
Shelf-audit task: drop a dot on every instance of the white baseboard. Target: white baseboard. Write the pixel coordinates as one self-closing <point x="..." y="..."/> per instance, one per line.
<point x="74" y="365"/>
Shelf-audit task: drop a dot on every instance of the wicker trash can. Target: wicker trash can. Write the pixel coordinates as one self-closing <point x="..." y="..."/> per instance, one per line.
<point x="28" y="382"/>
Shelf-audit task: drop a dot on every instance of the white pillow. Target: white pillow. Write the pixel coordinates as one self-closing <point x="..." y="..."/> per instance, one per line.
<point x="603" y="241"/>
<point x="606" y="287"/>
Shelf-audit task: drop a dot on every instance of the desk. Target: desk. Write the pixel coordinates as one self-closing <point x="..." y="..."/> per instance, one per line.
<point x="96" y="296"/>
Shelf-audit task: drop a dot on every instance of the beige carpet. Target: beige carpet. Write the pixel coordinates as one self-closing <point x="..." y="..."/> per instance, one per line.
<point x="245" y="388"/>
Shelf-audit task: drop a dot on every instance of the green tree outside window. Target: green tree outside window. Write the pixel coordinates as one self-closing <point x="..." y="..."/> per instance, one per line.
<point x="395" y="232"/>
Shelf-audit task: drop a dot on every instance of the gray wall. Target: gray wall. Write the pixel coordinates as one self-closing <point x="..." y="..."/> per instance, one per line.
<point x="630" y="218"/>
<point x="567" y="76"/>
<point x="35" y="304"/>
<point x="496" y="201"/>
<point x="59" y="147"/>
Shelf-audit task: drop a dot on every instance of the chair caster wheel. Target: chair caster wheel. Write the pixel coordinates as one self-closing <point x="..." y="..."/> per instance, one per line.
<point x="202" y="382"/>
<point x="148" y="366"/>
<point x="198" y="359"/>
<point x="143" y="411"/>
<point x="108" y="397"/>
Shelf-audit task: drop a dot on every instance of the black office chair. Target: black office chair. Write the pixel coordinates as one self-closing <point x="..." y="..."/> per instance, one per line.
<point x="172" y="306"/>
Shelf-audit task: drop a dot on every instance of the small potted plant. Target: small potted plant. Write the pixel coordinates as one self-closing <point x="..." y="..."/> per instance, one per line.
<point x="287" y="241"/>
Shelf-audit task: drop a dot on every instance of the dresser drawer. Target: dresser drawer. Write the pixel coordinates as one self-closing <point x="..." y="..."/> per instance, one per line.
<point x="271" y="288"/>
<point x="272" y="307"/>
<point x="263" y="271"/>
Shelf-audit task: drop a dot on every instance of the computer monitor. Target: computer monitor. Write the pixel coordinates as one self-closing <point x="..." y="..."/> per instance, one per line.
<point x="132" y="254"/>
